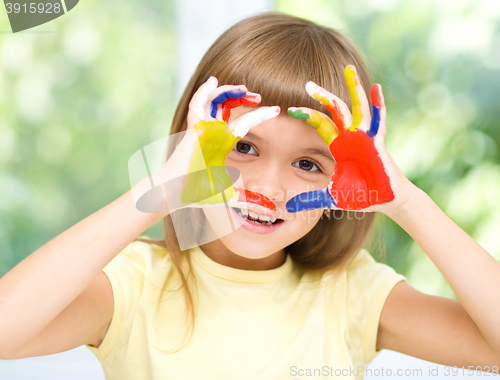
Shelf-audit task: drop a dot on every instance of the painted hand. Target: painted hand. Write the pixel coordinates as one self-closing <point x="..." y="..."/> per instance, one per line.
<point x="207" y="180"/>
<point x="365" y="177"/>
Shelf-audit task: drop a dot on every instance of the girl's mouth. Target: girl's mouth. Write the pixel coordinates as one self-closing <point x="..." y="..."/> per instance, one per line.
<point x="255" y="222"/>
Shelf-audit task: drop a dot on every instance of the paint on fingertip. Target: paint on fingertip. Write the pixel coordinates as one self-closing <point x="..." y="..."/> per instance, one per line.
<point x="375" y="95"/>
<point x="352" y="82"/>
<point x="236" y="93"/>
<point x="350" y="76"/>
<point x="298" y="114"/>
<point x="311" y="88"/>
<point x="200" y="112"/>
<point x="269" y="113"/>
<point x="252" y="99"/>
<point x="251" y="119"/>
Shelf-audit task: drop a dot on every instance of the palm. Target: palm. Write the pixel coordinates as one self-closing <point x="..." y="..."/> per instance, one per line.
<point x="354" y="184"/>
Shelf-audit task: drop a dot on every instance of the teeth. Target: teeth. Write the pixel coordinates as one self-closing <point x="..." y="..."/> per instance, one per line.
<point x="262" y="218"/>
<point x="253" y="214"/>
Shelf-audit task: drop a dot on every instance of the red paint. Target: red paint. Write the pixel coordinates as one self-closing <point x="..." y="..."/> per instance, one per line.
<point x="250" y="99"/>
<point x="248" y="196"/>
<point x="337" y="116"/>
<point x="375" y="95"/>
<point x="359" y="180"/>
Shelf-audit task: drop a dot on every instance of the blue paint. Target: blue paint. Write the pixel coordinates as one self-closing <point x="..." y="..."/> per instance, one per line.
<point x="221" y="98"/>
<point x="310" y="201"/>
<point x="375" y="122"/>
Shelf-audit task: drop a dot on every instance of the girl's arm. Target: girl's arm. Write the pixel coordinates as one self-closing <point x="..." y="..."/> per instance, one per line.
<point x="446" y="331"/>
<point x="36" y="290"/>
<point x="41" y="286"/>
<point x="461" y="333"/>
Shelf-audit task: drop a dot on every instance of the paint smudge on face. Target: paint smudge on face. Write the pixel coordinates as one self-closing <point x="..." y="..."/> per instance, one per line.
<point x="248" y="196"/>
<point x="311" y="200"/>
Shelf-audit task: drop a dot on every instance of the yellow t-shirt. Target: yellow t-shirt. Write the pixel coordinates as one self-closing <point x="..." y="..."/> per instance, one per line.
<point x="250" y="325"/>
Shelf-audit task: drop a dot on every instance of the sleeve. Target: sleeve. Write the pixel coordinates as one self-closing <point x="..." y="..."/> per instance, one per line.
<point x="368" y="286"/>
<point x="126" y="273"/>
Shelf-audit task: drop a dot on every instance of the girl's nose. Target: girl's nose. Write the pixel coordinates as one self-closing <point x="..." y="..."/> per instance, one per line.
<point x="268" y="182"/>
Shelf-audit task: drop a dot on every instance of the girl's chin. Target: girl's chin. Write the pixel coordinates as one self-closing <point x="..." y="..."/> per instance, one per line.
<point x="248" y="248"/>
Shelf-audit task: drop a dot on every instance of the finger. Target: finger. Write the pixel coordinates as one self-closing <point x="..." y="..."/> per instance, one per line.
<point x="250" y="99"/>
<point x="219" y="96"/>
<point x="341" y="114"/>
<point x="243" y="123"/>
<point x="360" y="106"/>
<point x="197" y="104"/>
<point x="379" y="112"/>
<point x="311" y="200"/>
<point x="323" y="124"/>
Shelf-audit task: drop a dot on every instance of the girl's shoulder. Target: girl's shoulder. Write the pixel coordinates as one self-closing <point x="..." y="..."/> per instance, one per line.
<point x="362" y="257"/>
<point x="364" y="268"/>
<point x="147" y="249"/>
<point x="142" y="261"/>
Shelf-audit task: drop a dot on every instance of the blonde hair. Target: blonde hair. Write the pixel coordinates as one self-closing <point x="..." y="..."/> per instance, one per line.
<point x="275" y="54"/>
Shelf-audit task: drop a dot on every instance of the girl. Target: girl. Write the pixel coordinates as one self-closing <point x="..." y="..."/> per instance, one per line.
<point x="298" y="297"/>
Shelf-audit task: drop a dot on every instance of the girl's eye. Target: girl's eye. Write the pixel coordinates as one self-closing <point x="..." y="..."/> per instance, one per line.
<point x="307" y="165"/>
<point x="243" y="148"/>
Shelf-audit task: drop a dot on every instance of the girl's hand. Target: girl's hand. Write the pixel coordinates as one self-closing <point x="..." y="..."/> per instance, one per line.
<point x="366" y="177"/>
<point x="195" y="175"/>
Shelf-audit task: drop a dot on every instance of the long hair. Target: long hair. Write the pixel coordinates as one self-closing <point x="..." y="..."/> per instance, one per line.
<point x="275" y="54"/>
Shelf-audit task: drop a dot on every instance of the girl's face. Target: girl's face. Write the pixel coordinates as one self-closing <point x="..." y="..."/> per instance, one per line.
<point x="279" y="158"/>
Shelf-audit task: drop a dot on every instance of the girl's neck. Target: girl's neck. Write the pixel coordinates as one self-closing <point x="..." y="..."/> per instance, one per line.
<point x="219" y="253"/>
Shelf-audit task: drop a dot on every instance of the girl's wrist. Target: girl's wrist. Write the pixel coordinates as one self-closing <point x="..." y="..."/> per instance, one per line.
<point x="149" y="197"/>
<point x="410" y="200"/>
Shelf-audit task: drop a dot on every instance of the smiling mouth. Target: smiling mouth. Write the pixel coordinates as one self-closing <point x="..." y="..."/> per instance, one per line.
<point x="256" y="218"/>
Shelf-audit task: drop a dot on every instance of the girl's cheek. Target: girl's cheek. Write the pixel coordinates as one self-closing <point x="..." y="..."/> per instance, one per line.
<point x="310" y="217"/>
<point x="316" y="214"/>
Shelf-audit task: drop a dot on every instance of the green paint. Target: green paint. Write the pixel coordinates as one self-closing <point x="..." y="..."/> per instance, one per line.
<point x="299" y="114"/>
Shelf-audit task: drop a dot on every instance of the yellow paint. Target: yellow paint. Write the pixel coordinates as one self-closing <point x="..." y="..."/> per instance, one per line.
<point x="326" y="129"/>
<point x="352" y="81"/>
<point x="322" y="99"/>
<point x="205" y="186"/>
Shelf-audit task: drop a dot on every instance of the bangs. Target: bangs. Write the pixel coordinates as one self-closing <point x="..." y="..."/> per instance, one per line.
<point x="279" y="64"/>
<point x="275" y="55"/>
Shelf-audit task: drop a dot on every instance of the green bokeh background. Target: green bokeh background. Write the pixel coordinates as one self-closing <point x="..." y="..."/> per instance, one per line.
<point x="78" y="100"/>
